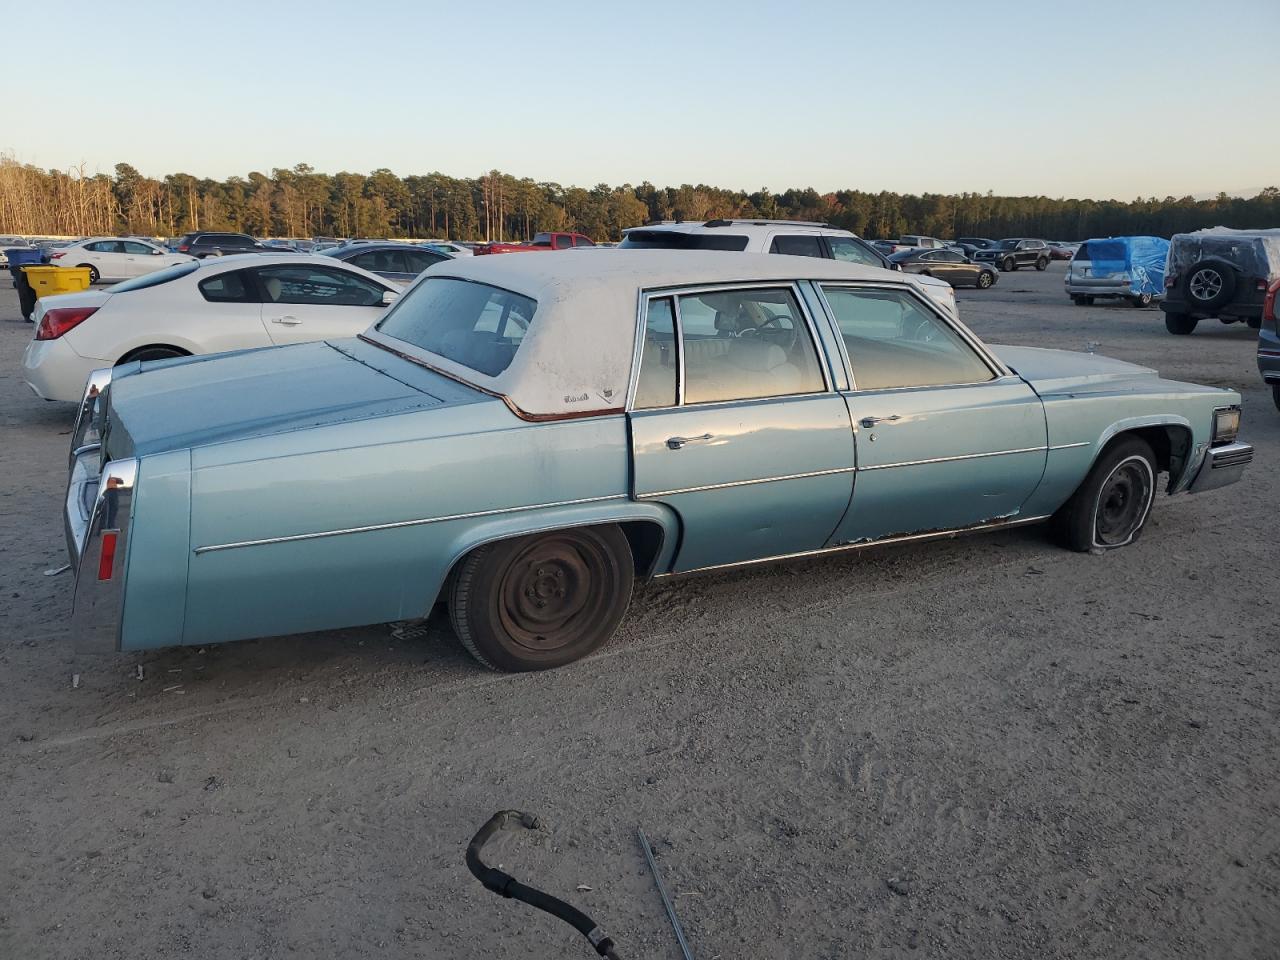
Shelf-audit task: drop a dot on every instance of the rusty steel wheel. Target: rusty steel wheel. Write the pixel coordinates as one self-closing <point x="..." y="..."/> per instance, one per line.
<point x="542" y="600"/>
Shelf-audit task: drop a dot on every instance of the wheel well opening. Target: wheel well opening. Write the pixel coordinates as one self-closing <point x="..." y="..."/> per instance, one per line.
<point x="645" y="539"/>
<point x="1171" y="445"/>
<point x="152" y="346"/>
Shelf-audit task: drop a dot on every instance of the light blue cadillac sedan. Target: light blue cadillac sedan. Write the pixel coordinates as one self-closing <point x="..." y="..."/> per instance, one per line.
<point x="524" y="436"/>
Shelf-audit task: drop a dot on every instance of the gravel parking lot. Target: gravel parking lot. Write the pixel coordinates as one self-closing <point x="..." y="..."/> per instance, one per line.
<point x="987" y="747"/>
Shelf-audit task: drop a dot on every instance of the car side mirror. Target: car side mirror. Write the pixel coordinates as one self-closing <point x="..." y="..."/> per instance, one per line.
<point x="389" y="297"/>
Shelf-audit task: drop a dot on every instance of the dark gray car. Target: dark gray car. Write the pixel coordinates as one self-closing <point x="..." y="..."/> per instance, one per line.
<point x="401" y="262"/>
<point x="1219" y="274"/>
<point x="1015" y="252"/>
<point x="203" y="244"/>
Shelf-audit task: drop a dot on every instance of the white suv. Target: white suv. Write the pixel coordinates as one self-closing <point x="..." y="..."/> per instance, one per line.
<point x="795" y="237"/>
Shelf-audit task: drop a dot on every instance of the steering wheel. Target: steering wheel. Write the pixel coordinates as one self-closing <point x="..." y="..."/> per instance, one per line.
<point x="774" y="320"/>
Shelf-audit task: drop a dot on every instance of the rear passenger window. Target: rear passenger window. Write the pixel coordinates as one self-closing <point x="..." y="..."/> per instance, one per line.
<point x="230" y="287"/>
<point x="757" y="346"/>
<point x="797" y="246"/>
<point x="893" y="342"/>
<point x="656" y="386"/>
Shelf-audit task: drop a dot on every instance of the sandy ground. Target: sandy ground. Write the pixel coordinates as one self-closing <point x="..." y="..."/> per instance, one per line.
<point x="981" y="748"/>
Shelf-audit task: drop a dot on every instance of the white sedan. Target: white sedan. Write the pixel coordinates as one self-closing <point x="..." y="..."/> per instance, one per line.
<point x="114" y="258"/>
<point x="204" y="306"/>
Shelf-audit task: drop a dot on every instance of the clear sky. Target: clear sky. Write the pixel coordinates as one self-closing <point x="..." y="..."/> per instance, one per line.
<point x="1074" y="98"/>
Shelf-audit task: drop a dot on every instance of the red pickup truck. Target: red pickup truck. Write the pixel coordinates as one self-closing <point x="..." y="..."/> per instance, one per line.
<point x="540" y="241"/>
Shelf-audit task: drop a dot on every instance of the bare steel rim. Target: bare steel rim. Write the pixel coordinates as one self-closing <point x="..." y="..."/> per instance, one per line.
<point x="557" y="592"/>
<point x="1206" y="283"/>
<point x="1124" y="500"/>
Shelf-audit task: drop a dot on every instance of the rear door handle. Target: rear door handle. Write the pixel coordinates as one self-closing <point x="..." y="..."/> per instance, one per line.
<point x="676" y="443"/>
<point x="872" y="421"/>
<point x="287" y="321"/>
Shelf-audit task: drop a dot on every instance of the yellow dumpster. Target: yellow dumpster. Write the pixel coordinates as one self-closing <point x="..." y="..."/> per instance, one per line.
<point x="48" y="281"/>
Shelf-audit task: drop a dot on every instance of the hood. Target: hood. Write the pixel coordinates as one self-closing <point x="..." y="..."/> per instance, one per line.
<point x="1064" y="371"/>
<point x="195" y="401"/>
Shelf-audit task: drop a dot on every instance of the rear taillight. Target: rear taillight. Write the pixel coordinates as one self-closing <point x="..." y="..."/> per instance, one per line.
<point x="58" y="256"/>
<point x="184" y="247"/>
<point x="107" y="559"/>
<point x="1269" y="304"/>
<point x="1170" y="281"/>
<point x="59" y="320"/>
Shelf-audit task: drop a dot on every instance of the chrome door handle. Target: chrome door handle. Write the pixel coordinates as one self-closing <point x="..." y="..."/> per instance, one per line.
<point x="675" y="443"/>
<point x="872" y="421"/>
<point x="287" y="321"/>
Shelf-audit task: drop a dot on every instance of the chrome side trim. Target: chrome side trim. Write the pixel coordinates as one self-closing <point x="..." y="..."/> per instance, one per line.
<point x="863" y="544"/>
<point x="744" y="483"/>
<point x="1070" y="446"/>
<point x="98" y="603"/>
<point x="87" y="427"/>
<point x="963" y="456"/>
<point x="403" y="523"/>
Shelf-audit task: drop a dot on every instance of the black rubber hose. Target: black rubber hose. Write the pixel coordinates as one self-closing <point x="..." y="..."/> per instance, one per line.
<point x="505" y="885"/>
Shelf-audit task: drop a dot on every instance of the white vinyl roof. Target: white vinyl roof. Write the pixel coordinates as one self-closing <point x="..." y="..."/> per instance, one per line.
<point x="576" y="358"/>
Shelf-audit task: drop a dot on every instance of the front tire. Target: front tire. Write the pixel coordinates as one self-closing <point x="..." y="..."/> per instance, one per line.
<point x="542" y="600"/>
<point x="1180" y="324"/>
<point x="1042" y="263"/>
<point x="1009" y="265"/>
<point x="1275" y="394"/>
<point x="1111" y="506"/>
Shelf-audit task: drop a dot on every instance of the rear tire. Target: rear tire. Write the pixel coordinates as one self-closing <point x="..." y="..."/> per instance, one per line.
<point x="1009" y="265"/>
<point x="152" y="353"/>
<point x="1082" y="301"/>
<point x="1255" y="323"/>
<point x="542" y="600"/>
<point x="93" y="272"/>
<point x="1179" y="324"/>
<point x="1111" y="506"/>
<point x="1275" y="394"/>
<point x="1141" y="300"/>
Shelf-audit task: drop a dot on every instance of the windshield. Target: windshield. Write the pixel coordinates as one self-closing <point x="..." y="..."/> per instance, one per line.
<point x="157" y="278"/>
<point x="675" y="240"/>
<point x="470" y="323"/>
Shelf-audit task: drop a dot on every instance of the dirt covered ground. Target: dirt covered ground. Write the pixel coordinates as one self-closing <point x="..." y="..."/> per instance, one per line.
<point x="980" y="748"/>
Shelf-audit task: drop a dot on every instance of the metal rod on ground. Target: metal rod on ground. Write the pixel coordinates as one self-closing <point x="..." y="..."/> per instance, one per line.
<point x="666" y="900"/>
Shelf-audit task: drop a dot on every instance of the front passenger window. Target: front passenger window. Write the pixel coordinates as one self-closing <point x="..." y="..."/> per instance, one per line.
<point x="893" y="341"/>
<point x="319" y="286"/>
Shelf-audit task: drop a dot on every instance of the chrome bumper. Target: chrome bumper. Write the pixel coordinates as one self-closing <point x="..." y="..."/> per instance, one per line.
<point x="96" y="515"/>
<point x="1221" y="466"/>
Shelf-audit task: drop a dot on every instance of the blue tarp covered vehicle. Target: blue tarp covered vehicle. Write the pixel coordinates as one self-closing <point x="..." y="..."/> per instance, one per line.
<point x="1127" y="267"/>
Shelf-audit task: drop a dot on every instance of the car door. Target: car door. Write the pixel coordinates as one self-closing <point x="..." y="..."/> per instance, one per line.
<point x="945" y="437"/>
<point x="959" y="271"/>
<point x="735" y="427"/>
<point x="107" y="257"/>
<point x="303" y="301"/>
<point x="139" y="258"/>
